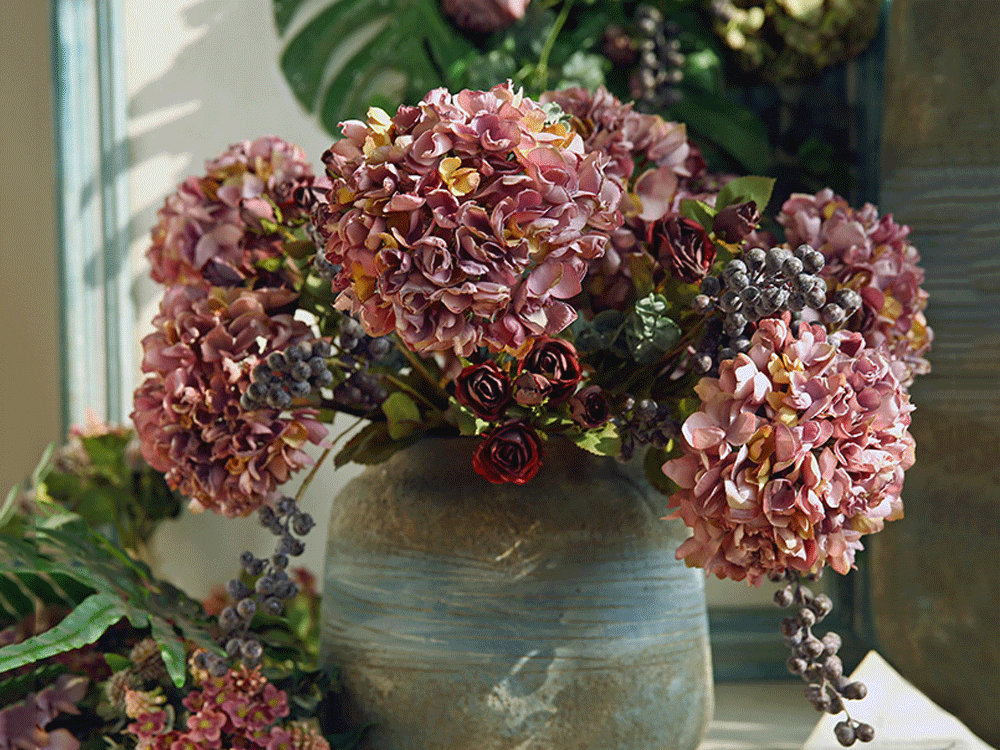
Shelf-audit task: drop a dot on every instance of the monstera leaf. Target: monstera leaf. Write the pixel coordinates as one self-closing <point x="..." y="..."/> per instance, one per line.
<point x="342" y="56"/>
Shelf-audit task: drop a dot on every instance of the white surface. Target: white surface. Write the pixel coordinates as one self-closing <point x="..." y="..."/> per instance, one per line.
<point x="760" y="716"/>
<point x="903" y="717"/>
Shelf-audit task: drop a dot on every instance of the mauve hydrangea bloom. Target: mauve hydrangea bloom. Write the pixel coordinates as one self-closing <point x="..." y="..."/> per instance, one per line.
<point x="188" y="414"/>
<point x="204" y="234"/>
<point x="659" y="167"/>
<point x="465" y="221"/>
<point x="872" y="255"/>
<point x="484" y="16"/>
<point x="797" y="450"/>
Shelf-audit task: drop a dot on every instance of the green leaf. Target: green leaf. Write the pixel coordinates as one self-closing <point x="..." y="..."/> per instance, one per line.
<point x="171" y="649"/>
<point x="602" y="332"/>
<point x="402" y="414"/>
<point x="117" y="662"/>
<point x="13" y="600"/>
<point x="698" y="211"/>
<point x="43" y="465"/>
<point x="743" y="189"/>
<point x="735" y="129"/>
<point x="468" y="424"/>
<point x="81" y="627"/>
<point x="650" y="332"/>
<point x="9" y="506"/>
<point x="603" y="441"/>
<point x="350" y="54"/>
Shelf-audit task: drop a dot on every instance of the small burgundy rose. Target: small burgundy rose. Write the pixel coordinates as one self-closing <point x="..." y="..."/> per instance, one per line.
<point x="485" y="389"/>
<point x="531" y="389"/>
<point x="555" y="360"/>
<point x="682" y="247"/>
<point x="510" y="453"/>
<point x="589" y="407"/>
<point x="735" y="222"/>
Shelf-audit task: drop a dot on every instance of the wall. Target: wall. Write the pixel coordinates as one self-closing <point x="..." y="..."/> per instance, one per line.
<point x="29" y="348"/>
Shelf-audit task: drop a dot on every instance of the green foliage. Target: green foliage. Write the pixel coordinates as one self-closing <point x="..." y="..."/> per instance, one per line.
<point x="603" y="441"/>
<point x="402" y="415"/>
<point x="650" y="332"/>
<point x="62" y="557"/>
<point x="743" y="189"/>
<point x="406" y="47"/>
<point x="81" y="627"/>
<point x="95" y="477"/>
<point x="699" y="211"/>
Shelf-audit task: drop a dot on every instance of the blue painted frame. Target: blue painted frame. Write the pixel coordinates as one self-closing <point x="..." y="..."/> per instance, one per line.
<point x="96" y="314"/>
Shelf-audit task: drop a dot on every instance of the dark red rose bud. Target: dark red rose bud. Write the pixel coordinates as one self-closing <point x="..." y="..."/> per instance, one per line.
<point x="682" y="248"/>
<point x="485" y="389"/>
<point x="531" y="389"/>
<point x="510" y="453"/>
<point x="589" y="407"/>
<point x="735" y="222"/>
<point x="555" y="360"/>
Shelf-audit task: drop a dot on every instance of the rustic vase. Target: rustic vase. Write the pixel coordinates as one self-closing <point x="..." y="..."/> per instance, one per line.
<point x="551" y="616"/>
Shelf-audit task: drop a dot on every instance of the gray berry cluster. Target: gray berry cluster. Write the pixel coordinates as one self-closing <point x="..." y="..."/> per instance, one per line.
<point x="361" y="389"/>
<point x="644" y="423"/>
<point x="271" y="588"/>
<point x="295" y="372"/>
<point x="816" y="660"/>
<point x="764" y="284"/>
<point x="660" y="59"/>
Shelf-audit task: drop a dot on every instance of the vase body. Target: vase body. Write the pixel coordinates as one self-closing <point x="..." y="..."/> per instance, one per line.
<point x="551" y="616"/>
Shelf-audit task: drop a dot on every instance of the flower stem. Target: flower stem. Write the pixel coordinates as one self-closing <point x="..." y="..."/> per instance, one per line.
<point x="416" y="394"/>
<point x="319" y="462"/>
<point x="419" y="367"/>
<point x="542" y="69"/>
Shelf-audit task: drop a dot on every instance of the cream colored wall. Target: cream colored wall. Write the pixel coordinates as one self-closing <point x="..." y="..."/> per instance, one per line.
<point x="29" y="339"/>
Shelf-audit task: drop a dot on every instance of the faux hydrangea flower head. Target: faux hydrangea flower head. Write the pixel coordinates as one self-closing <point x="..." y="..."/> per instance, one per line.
<point x="212" y="230"/>
<point x="797" y="451"/>
<point x="660" y="168"/>
<point x="188" y="413"/>
<point x="872" y="255"/>
<point x="466" y="221"/>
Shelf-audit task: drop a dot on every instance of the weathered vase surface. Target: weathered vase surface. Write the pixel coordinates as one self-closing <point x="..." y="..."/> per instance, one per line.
<point x="551" y="616"/>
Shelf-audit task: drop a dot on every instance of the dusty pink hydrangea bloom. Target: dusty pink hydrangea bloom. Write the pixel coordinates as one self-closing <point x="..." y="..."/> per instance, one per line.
<point x="188" y="414"/>
<point x="798" y="449"/>
<point x="659" y="167"/>
<point x="210" y="231"/>
<point x="465" y="221"/>
<point x="484" y="16"/>
<point x="872" y="255"/>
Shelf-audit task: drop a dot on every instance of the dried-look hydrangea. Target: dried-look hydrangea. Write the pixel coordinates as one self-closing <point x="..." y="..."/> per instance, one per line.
<point x="798" y="449"/>
<point x="659" y="167"/>
<point x="211" y="232"/>
<point x="484" y="16"/>
<point x="466" y="221"/>
<point x="872" y="255"/>
<point x="188" y="413"/>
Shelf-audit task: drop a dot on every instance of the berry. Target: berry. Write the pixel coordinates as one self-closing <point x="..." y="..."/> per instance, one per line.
<point x="754" y="258"/>
<point x="273" y="606"/>
<point x="864" y="732"/>
<point x="711" y="286"/>
<point x="847" y="299"/>
<point x="833" y="314"/>
<point x="246" y="608"/>
<point x="702" y="303"/>
<point x="783" y="597"/>
<point x="854" y="691"/>
<point x="845" y="734"/>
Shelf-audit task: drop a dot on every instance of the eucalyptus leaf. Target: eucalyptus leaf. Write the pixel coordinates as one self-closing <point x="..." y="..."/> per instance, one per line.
<point x="650" y="332"/>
